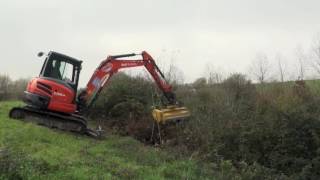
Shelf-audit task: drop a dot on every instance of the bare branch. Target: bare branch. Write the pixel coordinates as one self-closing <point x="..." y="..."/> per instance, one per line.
<point x="315" y="54"/>
<point x="213" y="75"/>
<point x="261" y="68"/>
<point x="279" y="58"/>
<point x="301" y="63"/>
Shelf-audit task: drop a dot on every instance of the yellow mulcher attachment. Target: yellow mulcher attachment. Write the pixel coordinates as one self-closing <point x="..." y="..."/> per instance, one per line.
<point x="170" y="113"/>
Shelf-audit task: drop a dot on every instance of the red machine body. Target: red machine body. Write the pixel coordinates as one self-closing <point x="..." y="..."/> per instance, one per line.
<point x="53" y="94"/>
<point x="58" y="93"/>
<point x="61" y="97"/>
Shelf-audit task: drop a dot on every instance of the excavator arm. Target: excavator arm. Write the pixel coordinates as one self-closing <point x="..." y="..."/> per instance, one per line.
<point x="112" y="65"/>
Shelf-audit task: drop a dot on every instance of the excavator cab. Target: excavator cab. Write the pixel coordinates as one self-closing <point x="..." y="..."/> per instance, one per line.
<point x="61" y="69"/>
<point x="56" y="86"/>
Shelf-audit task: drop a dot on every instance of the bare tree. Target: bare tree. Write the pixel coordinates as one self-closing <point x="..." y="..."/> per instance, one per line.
<point x="301" y="63"/>
<point x="174" y="74"/>
<point x="17" y="87"/>
<point x="316" y="54"/>
<point x="261" y="68"/>
<point x="281" y="67"/>
<point x="212" y="75"/>
<point x="171" y="70"/>
<point x="4" y="86"/>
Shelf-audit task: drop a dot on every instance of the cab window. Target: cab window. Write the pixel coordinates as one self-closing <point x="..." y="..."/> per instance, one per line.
<point x="61" y="70"/>
<point x="66" y="71"/>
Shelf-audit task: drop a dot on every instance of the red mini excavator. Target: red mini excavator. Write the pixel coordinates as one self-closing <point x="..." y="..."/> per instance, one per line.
<point x="52" y="98"/>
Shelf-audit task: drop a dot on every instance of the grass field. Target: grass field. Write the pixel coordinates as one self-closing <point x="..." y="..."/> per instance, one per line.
<point x="28" y="151"/>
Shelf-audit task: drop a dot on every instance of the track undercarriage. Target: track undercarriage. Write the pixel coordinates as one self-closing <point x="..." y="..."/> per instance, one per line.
<point x="73" y="123"/>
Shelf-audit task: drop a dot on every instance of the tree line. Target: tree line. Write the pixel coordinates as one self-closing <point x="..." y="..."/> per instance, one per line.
<point x="12" y="89"/>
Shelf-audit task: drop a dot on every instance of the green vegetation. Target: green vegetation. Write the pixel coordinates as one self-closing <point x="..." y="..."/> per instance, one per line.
<point x="238" y="130"/>
<point x="29" y="151"/>
<point x="273" y="125"/>
<point x="269" y="130"/>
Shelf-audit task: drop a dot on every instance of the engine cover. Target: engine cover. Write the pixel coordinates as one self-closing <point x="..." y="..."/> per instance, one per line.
<point x="51" y="94"/>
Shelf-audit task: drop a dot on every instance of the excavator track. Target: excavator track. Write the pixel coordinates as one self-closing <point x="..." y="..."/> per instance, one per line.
<point x="73" y="123"/>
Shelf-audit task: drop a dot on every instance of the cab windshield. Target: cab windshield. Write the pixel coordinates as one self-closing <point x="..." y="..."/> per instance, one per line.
<point x="60" y="69"/>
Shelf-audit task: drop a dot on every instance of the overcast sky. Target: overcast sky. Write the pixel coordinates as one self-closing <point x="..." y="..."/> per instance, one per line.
<point x="191" y="34"/>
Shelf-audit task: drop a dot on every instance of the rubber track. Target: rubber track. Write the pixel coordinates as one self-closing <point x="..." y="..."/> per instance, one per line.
<point x="74" y="123"/>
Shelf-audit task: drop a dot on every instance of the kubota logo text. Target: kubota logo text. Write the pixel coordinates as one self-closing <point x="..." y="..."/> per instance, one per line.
<point x="59" y="94"/>
<point x="107" y="67"/>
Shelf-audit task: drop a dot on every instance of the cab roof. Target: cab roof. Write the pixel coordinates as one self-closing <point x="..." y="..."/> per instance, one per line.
<point x="65" y="57"/>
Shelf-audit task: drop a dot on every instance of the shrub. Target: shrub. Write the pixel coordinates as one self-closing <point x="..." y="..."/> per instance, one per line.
<point x="125" y="90"/>
<point x="274" y="126"/>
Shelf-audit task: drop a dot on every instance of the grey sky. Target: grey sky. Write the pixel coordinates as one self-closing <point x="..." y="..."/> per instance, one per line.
<point x="227" y="34"/>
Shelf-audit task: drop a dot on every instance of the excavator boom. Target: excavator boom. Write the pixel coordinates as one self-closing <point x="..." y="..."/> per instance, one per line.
<point x="113" y="64"/>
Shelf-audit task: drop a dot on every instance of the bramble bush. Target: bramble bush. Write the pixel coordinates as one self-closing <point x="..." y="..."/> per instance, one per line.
<point x="274" y="125"/>
<point x="272" y="128"/>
